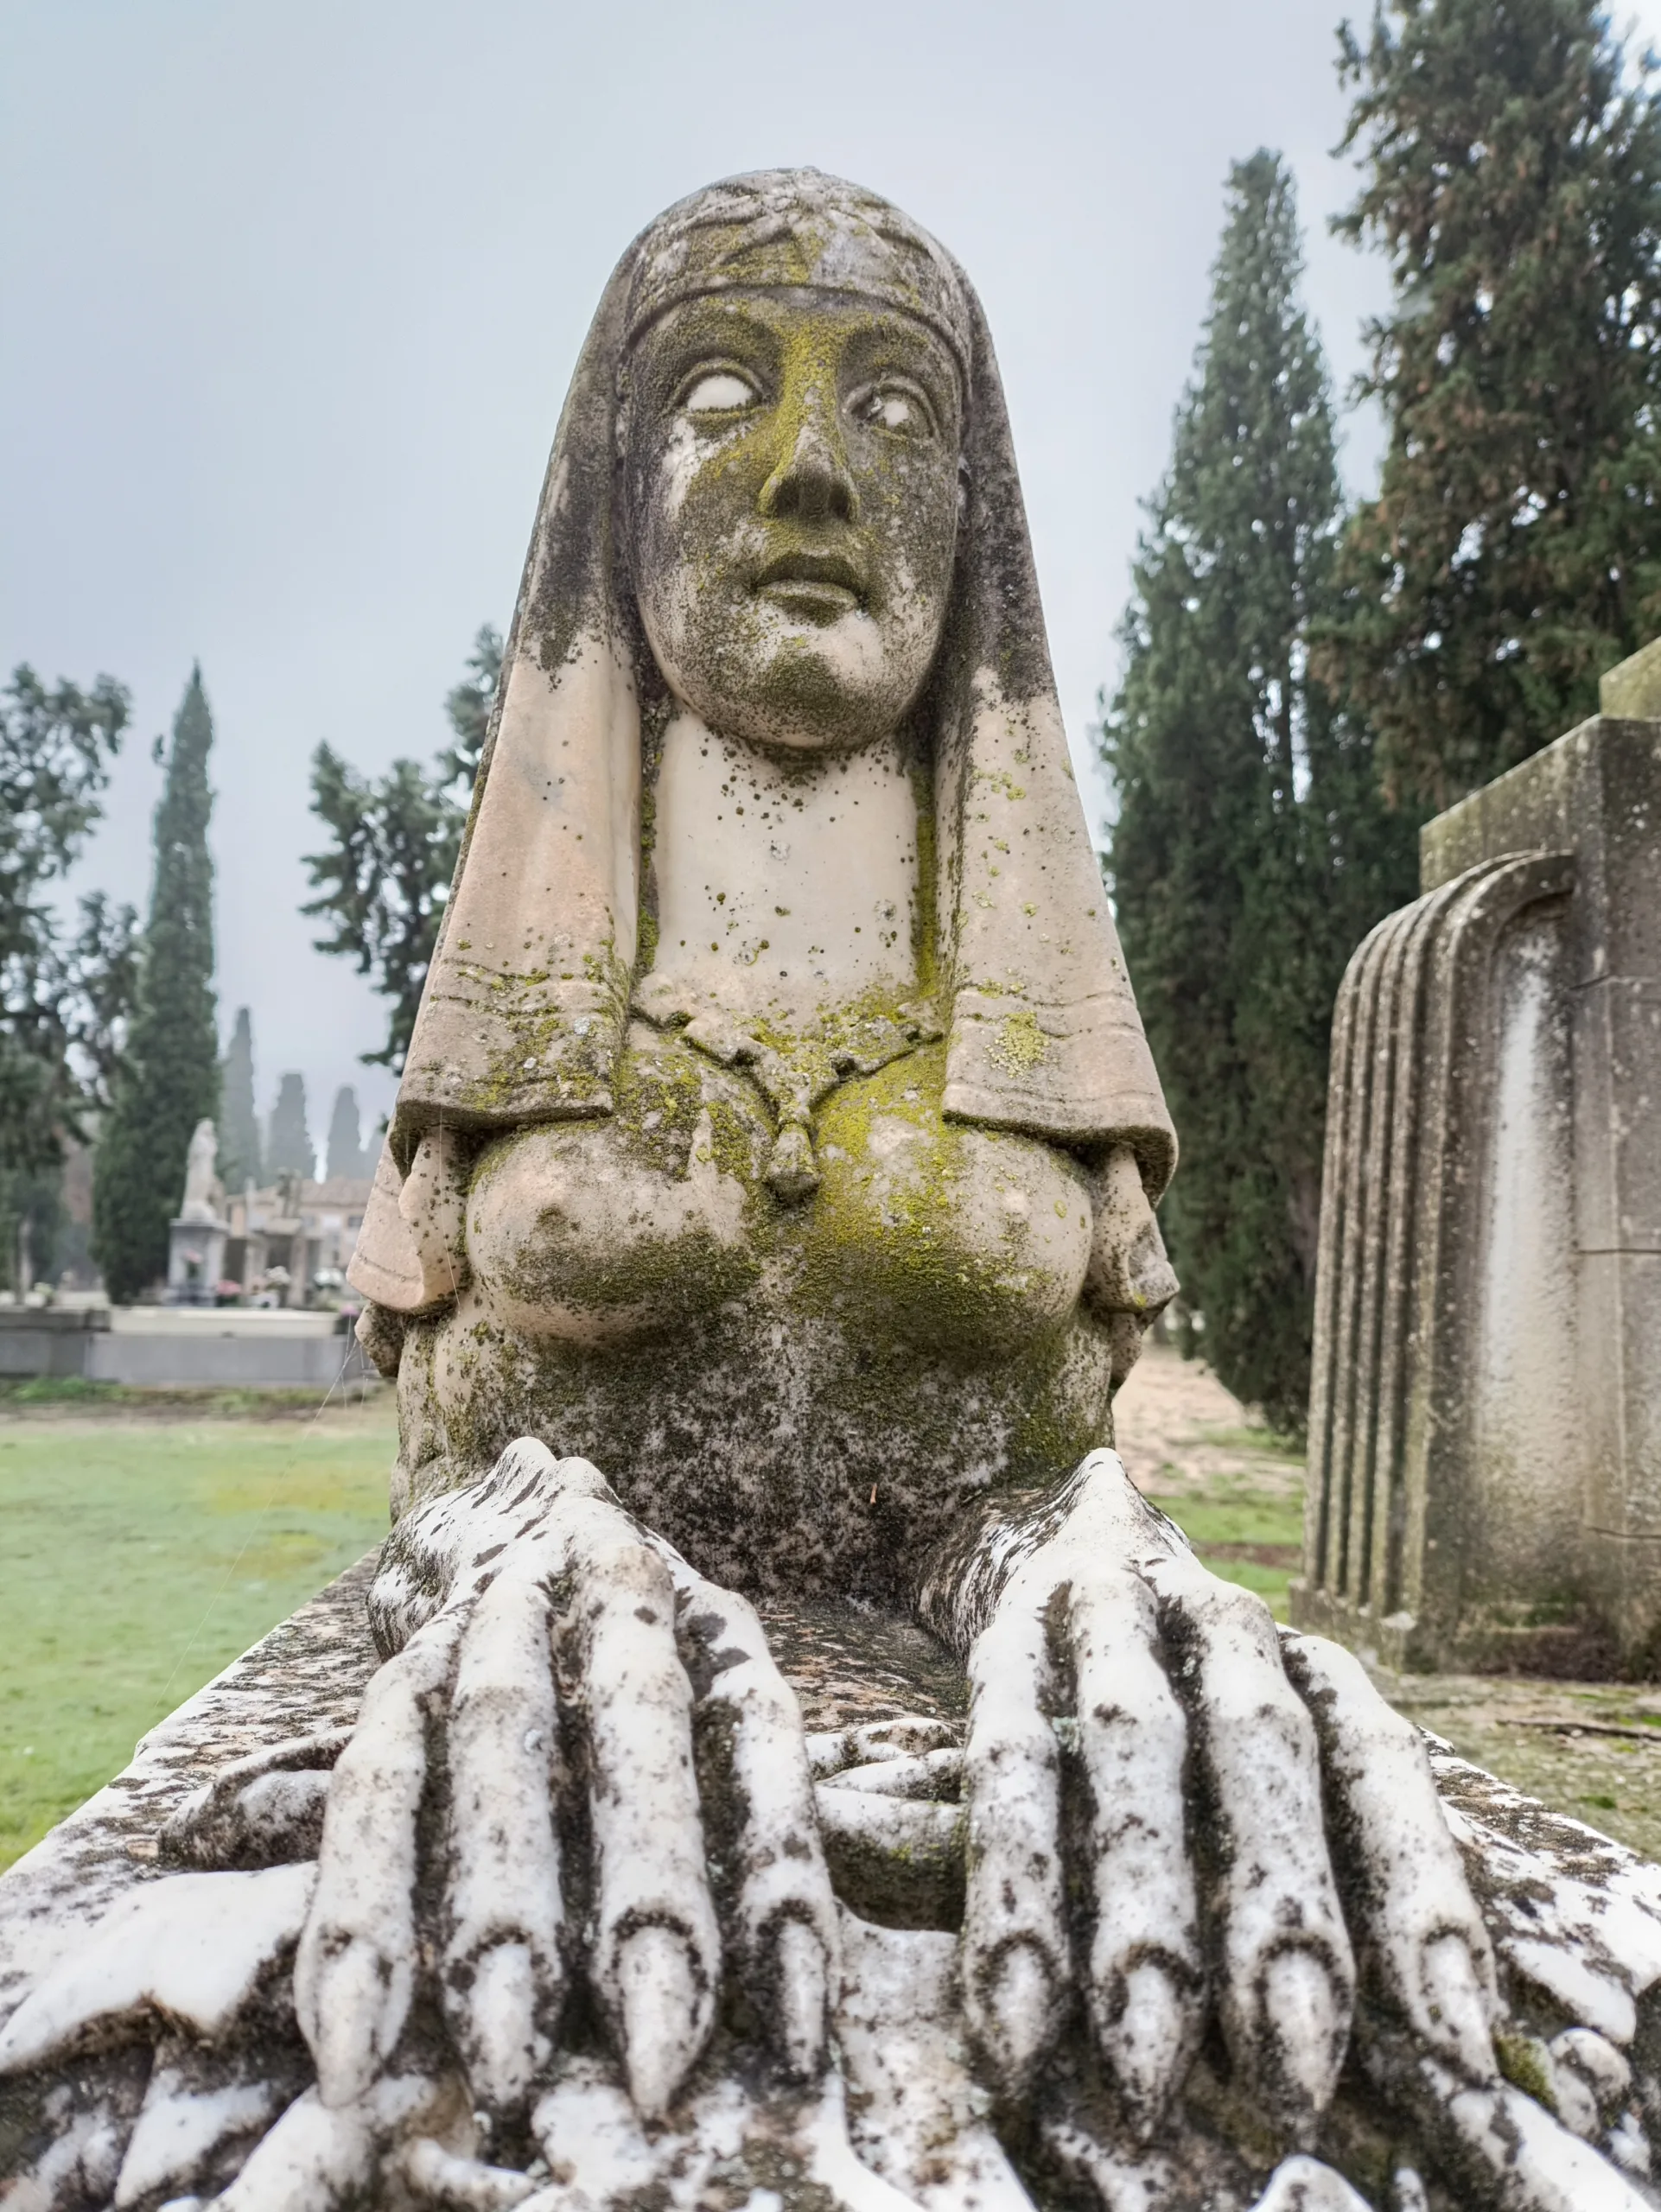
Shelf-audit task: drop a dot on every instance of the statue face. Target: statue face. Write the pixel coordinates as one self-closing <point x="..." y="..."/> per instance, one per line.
<point x="792" y="492"/>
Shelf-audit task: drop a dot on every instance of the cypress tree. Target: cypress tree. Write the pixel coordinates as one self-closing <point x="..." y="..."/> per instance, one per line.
<point x="345" y="1155"/>
<point x="168" y="1079"/>
<point x="289" y="1148"/>
<point x="1511" y="173"/>
<point x="1249" y="852"/>
<point x="239" y="1159"/>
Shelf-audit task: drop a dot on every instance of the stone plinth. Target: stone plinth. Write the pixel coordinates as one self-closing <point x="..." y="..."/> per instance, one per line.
<point x="1486" y="1415"/>
<point x="195" y="1260"/>
<point x="151" y="2068"/>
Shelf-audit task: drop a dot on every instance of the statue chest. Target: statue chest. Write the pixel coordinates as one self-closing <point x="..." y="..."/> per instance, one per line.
<point x="956" y="1239"/>
<point x="799" y="1394"/>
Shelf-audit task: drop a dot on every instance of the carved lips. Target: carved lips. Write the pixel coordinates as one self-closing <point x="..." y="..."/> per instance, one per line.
<point x="822" y="586"/>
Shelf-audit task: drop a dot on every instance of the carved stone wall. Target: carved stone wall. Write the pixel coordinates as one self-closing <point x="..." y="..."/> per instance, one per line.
<point x="1486" y="1413"/>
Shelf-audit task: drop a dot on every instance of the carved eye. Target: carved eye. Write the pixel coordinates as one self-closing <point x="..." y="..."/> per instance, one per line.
<point x="896" y="407"/>
<point x="717" y="391"/>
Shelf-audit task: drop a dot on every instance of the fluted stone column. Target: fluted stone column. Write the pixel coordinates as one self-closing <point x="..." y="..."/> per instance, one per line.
<point x="1485" y="1414"/>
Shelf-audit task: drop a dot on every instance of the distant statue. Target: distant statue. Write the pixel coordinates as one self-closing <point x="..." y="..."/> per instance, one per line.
<point x="766" y="1224"/>
<point x="204" y="1198"/>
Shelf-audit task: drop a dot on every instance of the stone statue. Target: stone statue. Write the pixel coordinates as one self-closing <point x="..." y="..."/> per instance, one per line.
<point x="203" y="1195"/>
<point x="766" y="1223"/>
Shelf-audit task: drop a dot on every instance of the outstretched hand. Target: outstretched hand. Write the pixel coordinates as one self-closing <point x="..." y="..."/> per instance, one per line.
<point x="550" y="1663"/>
<point x="1203" y="1736"/>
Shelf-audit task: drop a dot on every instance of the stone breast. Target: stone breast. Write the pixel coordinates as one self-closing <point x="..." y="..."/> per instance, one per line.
<point x="594" y="1230"/>
<point x="955" y="1238"/>
<point x="961" y="1240"/>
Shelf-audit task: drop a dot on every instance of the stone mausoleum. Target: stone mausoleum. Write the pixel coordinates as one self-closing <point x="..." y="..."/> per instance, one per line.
<point x="1484" y="1425"/>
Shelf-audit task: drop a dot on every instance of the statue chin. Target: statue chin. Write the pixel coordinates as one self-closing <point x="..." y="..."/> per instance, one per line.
<point x="774" y="678"/>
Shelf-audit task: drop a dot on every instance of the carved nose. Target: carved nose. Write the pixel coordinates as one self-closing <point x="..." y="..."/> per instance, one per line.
<point x="812" y="483"/>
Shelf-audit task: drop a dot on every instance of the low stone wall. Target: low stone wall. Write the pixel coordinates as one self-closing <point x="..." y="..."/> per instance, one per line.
<point x="49" y="1340"/>
<point x="227" y="1348"/>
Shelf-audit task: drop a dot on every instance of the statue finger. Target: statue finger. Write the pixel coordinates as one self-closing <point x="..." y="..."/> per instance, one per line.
<point x="504" y="1974"/>
<point x="433" y="2175"/>
<point x="1145" y="1983"/>
<point x="316" y="2157"/>
<point x="263" y="1810"/>
<point x="1506" y="2148"/>
<point x="784" y="1911"/>
<point x="1420" y="1930"/>
<point x="319" y="2156"/>
<point x="655" y="1961"/>
<point x="1287" y="1971"/>
<point x="1014" y="1943"/>
<point x="354" y="1970"/>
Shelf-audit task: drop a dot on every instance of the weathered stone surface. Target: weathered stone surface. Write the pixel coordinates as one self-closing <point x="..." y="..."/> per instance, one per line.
<point x="1486" y="1415"/>
<point x="1577" y="1922"/>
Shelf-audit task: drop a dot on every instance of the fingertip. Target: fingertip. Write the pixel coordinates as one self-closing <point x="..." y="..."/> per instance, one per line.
<point x="505" y="2048"/>
<point x="1456" y="2006"/>
<point x="349" y="2020"/>
<point x="802" y="1984"/>
<point x="1303" y="2033"/>
<point x="661" y="2015"/>
<point x="1148" y="2039"/>
<point x="1016" y="2017"/>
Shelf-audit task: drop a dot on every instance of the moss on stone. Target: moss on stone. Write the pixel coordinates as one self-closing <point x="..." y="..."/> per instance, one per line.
<point x="1019" y="1044"/>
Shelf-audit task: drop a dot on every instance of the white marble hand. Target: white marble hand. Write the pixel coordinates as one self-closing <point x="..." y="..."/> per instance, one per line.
<point x="1207" y="1863"/>
<point x="551" y="1664"/>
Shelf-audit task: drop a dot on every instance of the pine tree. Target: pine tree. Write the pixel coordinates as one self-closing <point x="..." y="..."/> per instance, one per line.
<point x="168" y="1079"/>
<point x="1512" y="173"/>
<point x="289" y="1147"/>
<point x="345" y="1154"/>
<point x="1249" y="852"/>
<point x="384" y="879"/>
<point x="239" y="1151"/>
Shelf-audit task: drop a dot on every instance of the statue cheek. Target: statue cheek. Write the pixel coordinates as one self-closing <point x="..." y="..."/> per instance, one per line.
<point x="914" y="513"/>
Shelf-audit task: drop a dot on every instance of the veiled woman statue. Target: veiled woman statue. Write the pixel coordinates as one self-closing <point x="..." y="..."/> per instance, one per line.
<point x="765" y="1225"/>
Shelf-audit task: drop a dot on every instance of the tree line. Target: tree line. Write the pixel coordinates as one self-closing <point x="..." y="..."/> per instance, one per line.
<point x="108" y="1030"/>
<point x="1303" y="679"/>
<point x="1304" y="682"/>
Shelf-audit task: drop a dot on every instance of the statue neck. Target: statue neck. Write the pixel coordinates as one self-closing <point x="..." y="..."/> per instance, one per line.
<point x="786" y="887"/>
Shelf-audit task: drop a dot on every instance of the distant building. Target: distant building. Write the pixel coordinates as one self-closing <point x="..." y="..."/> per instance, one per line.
<point x="289" y="1243"/>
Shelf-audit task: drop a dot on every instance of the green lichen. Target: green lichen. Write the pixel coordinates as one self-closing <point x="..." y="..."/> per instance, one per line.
<point x="1002" y="781"/>
<point x="1020" y="1045"/>
<point x="1526" y="2066"/>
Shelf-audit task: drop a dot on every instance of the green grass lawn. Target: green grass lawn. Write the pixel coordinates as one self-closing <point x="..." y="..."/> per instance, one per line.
<point x="138" y="1558"/>
<point x="1246" y="1536"/>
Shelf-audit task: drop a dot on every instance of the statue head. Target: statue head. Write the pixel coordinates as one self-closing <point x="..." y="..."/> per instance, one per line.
<point x="792" y="431"/>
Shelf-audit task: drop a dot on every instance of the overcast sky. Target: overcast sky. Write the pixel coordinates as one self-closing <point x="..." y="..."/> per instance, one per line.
<point x="290" y="296"/>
